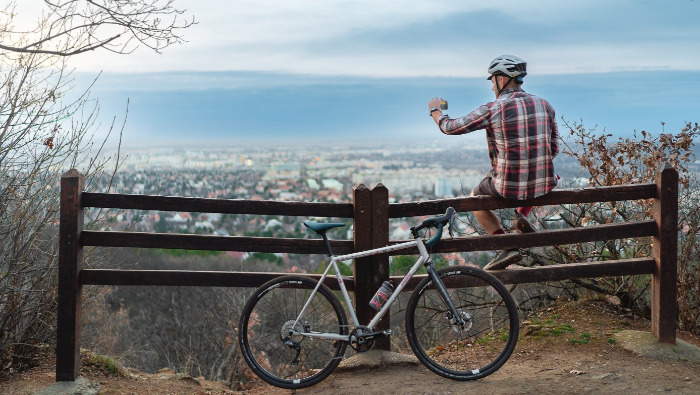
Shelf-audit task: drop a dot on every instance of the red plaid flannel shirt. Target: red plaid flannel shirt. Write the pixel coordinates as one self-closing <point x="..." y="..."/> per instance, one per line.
<point x="523" y="139"/>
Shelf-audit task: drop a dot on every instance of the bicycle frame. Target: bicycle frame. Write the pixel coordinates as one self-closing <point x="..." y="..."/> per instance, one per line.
<point x="424" y="256"/>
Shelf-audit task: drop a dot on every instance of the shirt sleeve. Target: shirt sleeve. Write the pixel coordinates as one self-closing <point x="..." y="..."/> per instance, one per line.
<point x="555" y="133"/>
<point x="475" y="120"/>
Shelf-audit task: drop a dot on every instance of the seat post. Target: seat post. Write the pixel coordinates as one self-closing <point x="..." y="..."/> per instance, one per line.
<point x="328" y="243"/>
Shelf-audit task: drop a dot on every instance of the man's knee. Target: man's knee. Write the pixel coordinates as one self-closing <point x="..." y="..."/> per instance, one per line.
<point x="485" y="188"/>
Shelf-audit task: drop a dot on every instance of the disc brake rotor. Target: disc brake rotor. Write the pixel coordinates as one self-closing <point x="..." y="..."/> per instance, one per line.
<point x="467" y="322"/>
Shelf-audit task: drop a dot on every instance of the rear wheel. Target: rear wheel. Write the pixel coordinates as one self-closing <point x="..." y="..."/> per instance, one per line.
<point x="462" y="352"/>
<point x="272" y="343"/>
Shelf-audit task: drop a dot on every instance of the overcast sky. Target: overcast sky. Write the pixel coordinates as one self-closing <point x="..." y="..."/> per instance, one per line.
<point x="416" y="38"/>
<point x="366" y="69"/>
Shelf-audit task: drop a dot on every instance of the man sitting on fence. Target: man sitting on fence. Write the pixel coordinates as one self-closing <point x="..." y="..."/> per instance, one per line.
<point x="522" y="137"/>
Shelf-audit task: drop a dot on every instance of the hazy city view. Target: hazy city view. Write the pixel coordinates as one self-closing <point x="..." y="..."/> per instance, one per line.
<point x="311" y="174"/>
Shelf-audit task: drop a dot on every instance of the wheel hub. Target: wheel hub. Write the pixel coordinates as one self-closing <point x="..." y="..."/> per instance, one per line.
<point x="467" y="322"/>
<point x="291" y="332"/>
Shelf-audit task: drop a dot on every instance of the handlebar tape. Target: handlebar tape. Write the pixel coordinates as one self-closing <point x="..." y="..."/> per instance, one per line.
<point x="436" y="222"/>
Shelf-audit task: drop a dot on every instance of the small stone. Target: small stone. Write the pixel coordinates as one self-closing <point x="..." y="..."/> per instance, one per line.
<point x="603" y="376"/>
<point x="532" y="329"/>
<point x="81" y="385"/>
<point x="613" y="300"/>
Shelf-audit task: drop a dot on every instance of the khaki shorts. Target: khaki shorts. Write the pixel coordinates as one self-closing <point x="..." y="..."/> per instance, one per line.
<point x="486" y="187"/>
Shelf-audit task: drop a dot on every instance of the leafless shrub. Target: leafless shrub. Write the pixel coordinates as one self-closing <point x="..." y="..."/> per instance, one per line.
<point x="47" y="127"/>
<point x="631" y="161"/>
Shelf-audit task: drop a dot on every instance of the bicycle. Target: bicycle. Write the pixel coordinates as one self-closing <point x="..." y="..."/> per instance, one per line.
<point x="461" y="322"/>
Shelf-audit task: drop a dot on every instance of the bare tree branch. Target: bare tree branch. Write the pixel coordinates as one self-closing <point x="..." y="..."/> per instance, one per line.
<point x="72" y="27"/>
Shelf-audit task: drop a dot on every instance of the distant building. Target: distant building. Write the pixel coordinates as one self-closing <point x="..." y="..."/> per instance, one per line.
<point x="180" y="218"/>
<point x="206" y="225"/>
<point x="312" y="183"/>
<point x="332" y="183"/>
<point x="285" y="167"/>
<point x="139" y="189"/>
<point x="443" y="187"/>
<point x="284" y="170"/>
<point x="273" y="223"/>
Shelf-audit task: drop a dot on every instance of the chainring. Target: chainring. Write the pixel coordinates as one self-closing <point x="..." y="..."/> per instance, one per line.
<point x="358" y="342"/>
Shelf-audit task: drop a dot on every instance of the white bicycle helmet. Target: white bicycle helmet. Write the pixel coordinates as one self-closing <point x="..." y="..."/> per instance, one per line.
<point x="510" y="66"/>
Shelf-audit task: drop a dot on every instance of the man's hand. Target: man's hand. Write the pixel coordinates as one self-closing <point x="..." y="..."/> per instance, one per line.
<point x="434" y="108"/>
<point x="435" y="103"/>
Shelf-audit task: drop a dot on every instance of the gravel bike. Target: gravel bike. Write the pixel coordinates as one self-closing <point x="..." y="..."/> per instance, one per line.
<point x="461" y="322"/>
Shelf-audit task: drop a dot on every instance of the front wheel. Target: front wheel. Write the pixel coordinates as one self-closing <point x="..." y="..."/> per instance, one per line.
<point x="271" y="338"/>
<point x="482" y="344"/>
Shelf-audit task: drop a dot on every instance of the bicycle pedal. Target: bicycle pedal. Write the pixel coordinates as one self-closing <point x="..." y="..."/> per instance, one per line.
<point x="383" y="333"/>
<point x="377" y="335"/>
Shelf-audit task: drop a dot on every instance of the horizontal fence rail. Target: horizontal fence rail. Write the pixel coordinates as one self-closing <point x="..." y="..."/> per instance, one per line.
<point x="315" y="246"/>
<point x="255" y="279"/>
<point x="212" y="243"/>
<point x="556" y="197"/>
<point x="549" y="237"/>
<point x="345" y="210"/>
<point x="560" y="272"/>
<point x="220" y="206"/>
<point x="369" y="214"/>
<point x="198" y="278"/>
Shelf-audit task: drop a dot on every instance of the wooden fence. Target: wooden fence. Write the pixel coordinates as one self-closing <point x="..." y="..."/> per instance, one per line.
<point x="370" y="211"/>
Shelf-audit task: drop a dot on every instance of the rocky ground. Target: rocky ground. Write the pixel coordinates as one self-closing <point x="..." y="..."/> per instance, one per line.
<point x="573" y="347"/>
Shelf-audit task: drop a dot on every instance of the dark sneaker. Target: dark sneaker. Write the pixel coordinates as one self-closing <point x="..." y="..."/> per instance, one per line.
<point x="522" y="224"/>
<point x="503" y="259"/>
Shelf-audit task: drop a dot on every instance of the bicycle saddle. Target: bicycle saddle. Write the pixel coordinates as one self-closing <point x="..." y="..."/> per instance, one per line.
<point x="322" y="227"/>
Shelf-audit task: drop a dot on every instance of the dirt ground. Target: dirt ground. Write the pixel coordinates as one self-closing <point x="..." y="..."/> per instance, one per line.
<point x="570" y="348"/>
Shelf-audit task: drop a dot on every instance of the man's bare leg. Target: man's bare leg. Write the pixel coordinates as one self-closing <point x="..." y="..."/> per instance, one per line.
<point x="490" y="222"/>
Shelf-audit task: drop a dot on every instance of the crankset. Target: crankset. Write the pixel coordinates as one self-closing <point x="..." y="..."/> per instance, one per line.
<point x="362" y="338"/>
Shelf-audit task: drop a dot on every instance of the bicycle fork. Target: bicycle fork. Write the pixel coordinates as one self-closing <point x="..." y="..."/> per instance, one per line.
<point x="442" y="291"/>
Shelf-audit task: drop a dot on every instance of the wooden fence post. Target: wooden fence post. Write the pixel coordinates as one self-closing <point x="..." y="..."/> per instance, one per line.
<point x="362" y="239"/>
<point x="371" y="230"/>
<point x="664" y="306"/>
<point x="69" y="289"/>
<point x="380" y="263"/>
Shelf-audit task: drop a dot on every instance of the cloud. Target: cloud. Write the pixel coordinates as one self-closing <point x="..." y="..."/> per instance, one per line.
<point x="413" y="38"/>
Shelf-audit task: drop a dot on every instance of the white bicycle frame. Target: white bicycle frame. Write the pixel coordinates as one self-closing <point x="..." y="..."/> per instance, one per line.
<point x="424" y="256"/>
